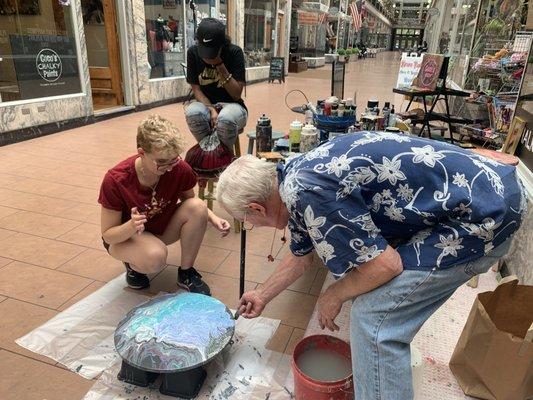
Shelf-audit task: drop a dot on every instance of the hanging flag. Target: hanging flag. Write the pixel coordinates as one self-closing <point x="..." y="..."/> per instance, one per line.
<point x="322" y="18"/>
<point x="356" y="17"/>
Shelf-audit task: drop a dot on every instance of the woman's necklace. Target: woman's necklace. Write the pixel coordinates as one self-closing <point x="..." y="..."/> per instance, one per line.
<point x="153" y="200"/>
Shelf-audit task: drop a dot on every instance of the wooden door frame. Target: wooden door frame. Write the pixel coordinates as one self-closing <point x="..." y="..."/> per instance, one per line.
<point x="112" y="73"/>
<point x="112" y="35"/>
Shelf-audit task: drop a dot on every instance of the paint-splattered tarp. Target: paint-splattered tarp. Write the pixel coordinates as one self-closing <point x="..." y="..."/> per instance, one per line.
<point x="81" y="337"/>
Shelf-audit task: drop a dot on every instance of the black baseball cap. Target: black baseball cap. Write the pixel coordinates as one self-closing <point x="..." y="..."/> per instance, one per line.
<point x="211" y="36"/>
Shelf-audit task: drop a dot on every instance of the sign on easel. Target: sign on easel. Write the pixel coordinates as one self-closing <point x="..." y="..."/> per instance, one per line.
<point x="277" y="69"/>
<point x="429" y="72"/>
<point x="409" y="67"/>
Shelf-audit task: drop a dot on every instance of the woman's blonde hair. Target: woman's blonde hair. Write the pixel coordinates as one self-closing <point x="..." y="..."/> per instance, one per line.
<point x="246" y="180"/>
<point x="158" y="133"/>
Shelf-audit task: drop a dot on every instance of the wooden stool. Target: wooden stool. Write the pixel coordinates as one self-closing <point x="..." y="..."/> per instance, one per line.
<point x="209" y="183"/>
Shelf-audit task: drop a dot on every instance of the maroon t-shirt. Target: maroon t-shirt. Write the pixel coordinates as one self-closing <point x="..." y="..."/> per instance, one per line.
<point x="121" y="191"/>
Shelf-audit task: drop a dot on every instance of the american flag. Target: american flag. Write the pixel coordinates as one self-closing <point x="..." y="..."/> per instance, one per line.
<point x="322" y="18"/>
<point x="355" y="16"/>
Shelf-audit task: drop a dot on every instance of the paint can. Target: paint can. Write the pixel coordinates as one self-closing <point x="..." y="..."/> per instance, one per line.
<point x="339" y="355"/>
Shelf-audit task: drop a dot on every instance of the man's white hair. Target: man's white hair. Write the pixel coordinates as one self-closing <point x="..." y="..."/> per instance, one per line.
<point x="246" y="180"/>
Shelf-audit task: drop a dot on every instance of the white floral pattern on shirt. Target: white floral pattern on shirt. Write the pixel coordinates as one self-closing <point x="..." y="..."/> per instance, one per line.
<point x="447" y="205"/>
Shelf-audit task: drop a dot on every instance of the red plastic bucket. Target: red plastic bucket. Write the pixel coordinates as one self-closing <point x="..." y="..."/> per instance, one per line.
<point x="307" y="388"/>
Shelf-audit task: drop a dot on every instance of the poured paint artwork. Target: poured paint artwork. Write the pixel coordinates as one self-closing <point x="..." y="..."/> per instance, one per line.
<point x="174" y="332"/>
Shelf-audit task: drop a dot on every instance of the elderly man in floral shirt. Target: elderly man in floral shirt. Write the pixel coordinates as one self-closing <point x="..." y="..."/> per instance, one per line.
<point x="402" y="222"/>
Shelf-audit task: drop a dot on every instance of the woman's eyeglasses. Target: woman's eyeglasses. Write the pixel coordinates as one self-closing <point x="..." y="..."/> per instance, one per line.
<point x="165" y="164"/>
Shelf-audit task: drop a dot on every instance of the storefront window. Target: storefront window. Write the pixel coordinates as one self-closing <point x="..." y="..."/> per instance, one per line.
<point x="223" y="12"/>
<point x="308" y="33"/>
<point x="259" y="25"/>
<point x="165" y="37"/>
<point x="205" y="9"/>
<point x="38" y="55"/>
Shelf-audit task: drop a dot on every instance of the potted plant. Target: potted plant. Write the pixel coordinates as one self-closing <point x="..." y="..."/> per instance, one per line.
<point x="356" y="53"/>
<point x="349" y="52"/>
<point x="342" y="55"/>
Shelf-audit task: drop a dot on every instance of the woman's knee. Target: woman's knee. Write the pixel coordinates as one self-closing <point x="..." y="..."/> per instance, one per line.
<point x="154" y="260"/>
<point x="195" y="208"/>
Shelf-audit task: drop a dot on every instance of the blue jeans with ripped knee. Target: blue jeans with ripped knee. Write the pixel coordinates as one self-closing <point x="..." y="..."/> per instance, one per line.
<point x="231" y="119"/>
<point x="384" y="321"/>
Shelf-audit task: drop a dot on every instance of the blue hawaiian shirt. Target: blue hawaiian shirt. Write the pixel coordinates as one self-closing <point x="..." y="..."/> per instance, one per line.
<point x="351" y="196"/>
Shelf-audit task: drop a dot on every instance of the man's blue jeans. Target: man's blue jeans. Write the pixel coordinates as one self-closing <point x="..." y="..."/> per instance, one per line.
<point x="385" y="320"/>
<point x="231" y="119"/>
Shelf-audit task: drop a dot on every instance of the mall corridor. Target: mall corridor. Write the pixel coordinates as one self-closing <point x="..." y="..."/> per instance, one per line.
<point x="51" y="253"/>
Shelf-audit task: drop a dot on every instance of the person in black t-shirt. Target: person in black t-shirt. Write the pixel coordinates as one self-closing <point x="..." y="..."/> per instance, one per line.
<point x="217" y="74"/>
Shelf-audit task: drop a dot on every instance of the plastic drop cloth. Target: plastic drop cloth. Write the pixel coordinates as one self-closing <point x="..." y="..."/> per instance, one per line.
<point x="244" y="370"/>
<point x="81" y="337"/>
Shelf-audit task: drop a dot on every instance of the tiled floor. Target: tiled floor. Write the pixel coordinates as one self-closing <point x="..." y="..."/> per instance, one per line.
<point x="50" y="248"/>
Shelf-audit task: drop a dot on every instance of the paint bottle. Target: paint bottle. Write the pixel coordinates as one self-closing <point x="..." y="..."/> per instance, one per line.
<point x="308" y="116"/>
<point x="392" y="118"/>
<point x="320" y="107"/>
<point x="327" y="108"/>
<point x="309" y="138"/>
<point x="386" y="114"/>
<point x="334" y="110"/>
<point x="295" y="132"/>
<point x="263" y="134"/>
<point x="341" y="110"/>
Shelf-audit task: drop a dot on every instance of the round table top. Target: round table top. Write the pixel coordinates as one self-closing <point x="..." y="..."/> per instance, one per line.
<point x="174" y="332"/>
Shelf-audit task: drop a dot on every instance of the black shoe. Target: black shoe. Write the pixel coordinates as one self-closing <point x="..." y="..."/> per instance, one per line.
<point x="191" y="280"/>
<point x="135" y="279"/>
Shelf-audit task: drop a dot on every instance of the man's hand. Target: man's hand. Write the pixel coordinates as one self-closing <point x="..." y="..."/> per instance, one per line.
<point x="251" y="304"/>
<point x="222" y="225"/>
<point x="329" y="306"/>
<point x="137" y="220"/>
<point x="214" y="116"/>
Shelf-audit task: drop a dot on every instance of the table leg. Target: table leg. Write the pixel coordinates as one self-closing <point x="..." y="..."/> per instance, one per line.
<point x="426" y="119"/>
<point x="448" y="116"/>
<point x="409" y="104"/>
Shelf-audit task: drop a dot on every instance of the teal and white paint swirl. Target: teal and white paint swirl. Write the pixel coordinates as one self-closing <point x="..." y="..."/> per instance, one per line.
<point x="174" y="332"/>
